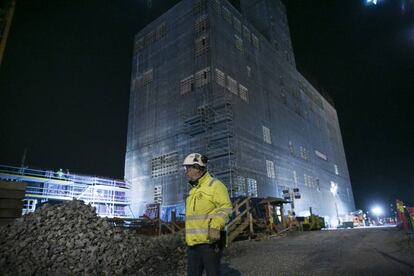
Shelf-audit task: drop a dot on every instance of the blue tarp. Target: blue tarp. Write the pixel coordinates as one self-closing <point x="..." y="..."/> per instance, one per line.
<point x="178" y="208"/>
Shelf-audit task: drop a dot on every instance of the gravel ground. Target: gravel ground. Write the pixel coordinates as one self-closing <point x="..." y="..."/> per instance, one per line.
<point x="70" y="239"/>
<point x="365" y="251"/>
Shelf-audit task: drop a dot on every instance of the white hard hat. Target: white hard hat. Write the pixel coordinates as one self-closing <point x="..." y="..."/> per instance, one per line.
<point x="195" y="159"/>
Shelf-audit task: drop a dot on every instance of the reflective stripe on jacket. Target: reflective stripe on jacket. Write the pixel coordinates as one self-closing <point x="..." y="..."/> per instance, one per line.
<point x="208" y="206"/>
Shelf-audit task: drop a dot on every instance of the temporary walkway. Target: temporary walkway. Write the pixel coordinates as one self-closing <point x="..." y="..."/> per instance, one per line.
<point x="110" y="197"/>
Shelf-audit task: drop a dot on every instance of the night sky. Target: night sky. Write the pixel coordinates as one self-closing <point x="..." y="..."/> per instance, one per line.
<point x="65" y="77"/>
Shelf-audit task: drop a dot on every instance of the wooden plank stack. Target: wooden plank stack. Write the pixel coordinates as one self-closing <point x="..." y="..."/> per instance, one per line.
<point x="11" y="200"/>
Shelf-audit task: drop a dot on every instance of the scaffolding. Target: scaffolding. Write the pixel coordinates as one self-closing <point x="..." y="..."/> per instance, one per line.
<point x="110" y="197"/>
<point x="213" y="125"/>
<point x="221" y="88"/>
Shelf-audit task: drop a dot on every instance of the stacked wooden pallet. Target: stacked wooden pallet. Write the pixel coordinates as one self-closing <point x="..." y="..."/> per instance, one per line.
<point x="11" y="200"/>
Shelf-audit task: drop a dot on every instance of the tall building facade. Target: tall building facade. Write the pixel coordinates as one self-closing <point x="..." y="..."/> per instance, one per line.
<point x="210" y="78"/>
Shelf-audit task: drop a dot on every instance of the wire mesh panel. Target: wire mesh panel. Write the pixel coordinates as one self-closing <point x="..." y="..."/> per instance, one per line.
<point x="226" y="85"/>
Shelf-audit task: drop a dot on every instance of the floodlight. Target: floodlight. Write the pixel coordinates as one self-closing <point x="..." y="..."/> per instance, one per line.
<point x="377" y="210"/>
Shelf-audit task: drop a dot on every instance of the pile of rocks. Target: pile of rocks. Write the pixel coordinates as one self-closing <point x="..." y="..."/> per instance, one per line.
<point x="70" y="238"/>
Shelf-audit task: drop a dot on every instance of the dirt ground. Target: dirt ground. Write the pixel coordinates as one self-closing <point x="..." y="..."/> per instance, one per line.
<point x="364" y="251"/>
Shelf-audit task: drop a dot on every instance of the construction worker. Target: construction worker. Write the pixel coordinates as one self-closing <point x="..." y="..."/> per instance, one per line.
<point x="208" y="208"/>
<point x="59" y="173"/>
<point x="402" y="219"/>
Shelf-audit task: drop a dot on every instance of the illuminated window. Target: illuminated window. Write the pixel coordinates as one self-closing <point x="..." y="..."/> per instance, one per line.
<point x="336" y="169"/>
<point x="201" y="25"/>
<point x="237" y="24"/>
<point x="220" y="78"/>
<point x="321" y="155"/>
<point x="202" y="77"/>
<point x="239" y="43"/>
<point x="232" y="85"/>
<point x="158" y="194"/>
<point x="243" y="92"/>
<point x="227" y="15"/>
<point x="187" y="85"/>
<point x="304" y="153"/>
<point x="240" y="186"/>
<point x="308" y="181"/>
<point x="251" y="187"/>
<point x="151" y="37"/>
<point x="266" y="135"/>
<point x="201" y="45"/>
<point x="270" y="169"/>
<point x="245" y="186"/>
<point x="164" y="164"/>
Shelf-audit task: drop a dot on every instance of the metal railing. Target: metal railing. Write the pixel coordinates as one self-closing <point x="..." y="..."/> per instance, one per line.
<point x="60" y="175"/>
<point x="109" y="196"/>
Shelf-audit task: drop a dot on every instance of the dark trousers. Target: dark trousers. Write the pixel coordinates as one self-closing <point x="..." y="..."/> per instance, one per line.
<point x="204" y="256"/>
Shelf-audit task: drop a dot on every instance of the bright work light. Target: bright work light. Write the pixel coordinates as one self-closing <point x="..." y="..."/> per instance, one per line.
<point x="377" y="211"/>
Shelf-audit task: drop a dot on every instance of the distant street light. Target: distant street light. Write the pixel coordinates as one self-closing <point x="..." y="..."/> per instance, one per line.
<point x="377" y="211"/>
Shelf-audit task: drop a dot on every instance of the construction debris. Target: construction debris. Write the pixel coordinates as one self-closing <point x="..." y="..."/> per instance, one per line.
<point x="70" y="238"/>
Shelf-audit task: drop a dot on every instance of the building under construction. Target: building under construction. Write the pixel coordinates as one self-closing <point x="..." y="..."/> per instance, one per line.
<point x="210" y="78"/>
<point x="110" y="197"/>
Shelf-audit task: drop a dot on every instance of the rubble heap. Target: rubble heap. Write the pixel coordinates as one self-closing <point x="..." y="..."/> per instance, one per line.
<point x="70" y="238"/>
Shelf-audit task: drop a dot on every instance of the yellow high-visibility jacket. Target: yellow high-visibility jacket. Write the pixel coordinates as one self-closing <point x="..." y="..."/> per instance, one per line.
<point x="208" y="206"/>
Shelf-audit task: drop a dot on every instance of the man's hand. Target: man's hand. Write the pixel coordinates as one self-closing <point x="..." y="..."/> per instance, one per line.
<point x="213" y="234"/>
